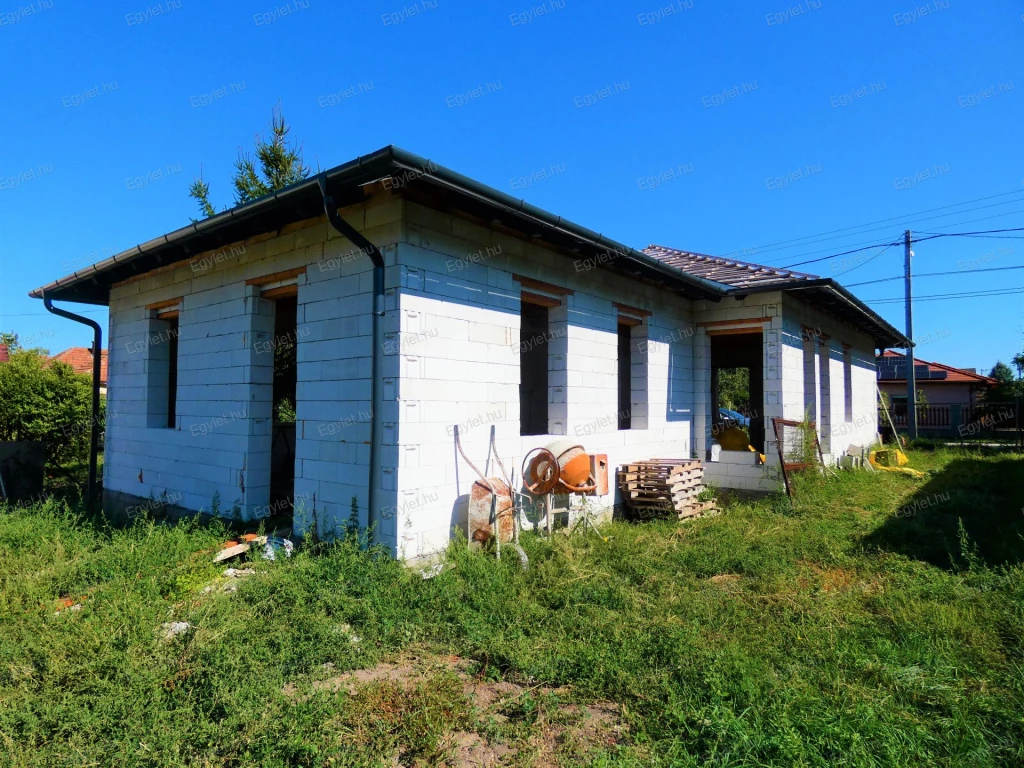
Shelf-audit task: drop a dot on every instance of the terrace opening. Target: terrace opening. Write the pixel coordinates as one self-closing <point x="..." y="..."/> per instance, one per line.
<point x="737" y="384"/>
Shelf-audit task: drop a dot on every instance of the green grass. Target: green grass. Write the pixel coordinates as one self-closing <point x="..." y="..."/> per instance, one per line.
<point x="843" y="634"/>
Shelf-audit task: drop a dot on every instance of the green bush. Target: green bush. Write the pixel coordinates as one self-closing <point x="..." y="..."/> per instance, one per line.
<point x="48" y="402"/>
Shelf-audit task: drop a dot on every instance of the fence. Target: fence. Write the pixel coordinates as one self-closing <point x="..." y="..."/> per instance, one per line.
<point x="961" y="420"/>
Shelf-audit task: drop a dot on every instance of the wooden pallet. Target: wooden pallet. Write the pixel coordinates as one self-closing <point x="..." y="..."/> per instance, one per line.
<point x="660" y="488"/>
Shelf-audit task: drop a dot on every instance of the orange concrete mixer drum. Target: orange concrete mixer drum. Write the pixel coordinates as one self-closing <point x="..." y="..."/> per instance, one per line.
<point x="574" y="474"/>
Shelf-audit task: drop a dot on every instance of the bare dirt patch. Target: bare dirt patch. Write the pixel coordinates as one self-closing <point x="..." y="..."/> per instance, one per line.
<point x="725" y="579"/>
<point x="511" y="722"/>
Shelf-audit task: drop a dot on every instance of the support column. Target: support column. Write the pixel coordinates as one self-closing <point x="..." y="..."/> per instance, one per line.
<point x="810" y="349"/>
<point x="825" y="415"/>
<point x="773" y="391"/>
<point x="257" y="343"/>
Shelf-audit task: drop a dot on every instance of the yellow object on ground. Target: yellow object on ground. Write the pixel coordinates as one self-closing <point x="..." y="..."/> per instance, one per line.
<point x="733" y="439"/>
<point x="893" y="460"/>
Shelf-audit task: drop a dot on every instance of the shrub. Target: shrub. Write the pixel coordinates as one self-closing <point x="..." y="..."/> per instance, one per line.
<point x="48" y="402"/>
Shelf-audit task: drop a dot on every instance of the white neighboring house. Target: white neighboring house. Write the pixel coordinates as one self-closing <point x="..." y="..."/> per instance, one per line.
<point x="483" y="310"/>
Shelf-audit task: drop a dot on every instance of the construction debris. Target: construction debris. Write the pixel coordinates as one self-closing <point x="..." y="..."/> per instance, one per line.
<point x="659" y="488"/>
<point x="172" y="629"/>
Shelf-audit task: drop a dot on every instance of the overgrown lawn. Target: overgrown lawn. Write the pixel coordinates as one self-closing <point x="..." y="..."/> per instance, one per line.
<point x="878" y="621"/>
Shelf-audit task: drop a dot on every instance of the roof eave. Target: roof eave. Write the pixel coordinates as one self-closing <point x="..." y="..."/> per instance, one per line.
<point x="383" y="162"/>
<point x="890" y="337"/>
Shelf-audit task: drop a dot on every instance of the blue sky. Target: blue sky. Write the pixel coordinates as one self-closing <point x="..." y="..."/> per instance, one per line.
<point x="710" y="126"/>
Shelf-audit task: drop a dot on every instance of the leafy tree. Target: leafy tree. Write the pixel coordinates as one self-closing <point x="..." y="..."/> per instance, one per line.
<point x="280" y="165"/>
<point x="9" y="340"/>
<point x="1001" y="372"/>
<point x="1007" y="388"/>
<point x="42" y="400"/>
<point x="734" y="388"/>
<point x="1018" y="363"/>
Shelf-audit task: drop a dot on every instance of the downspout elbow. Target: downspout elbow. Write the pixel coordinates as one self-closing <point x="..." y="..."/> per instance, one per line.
<point x="97" y="360"/>
<point x="346" y="230"/>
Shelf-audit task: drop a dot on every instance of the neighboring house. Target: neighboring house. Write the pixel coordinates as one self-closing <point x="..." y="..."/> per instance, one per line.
<point x="4" y="354"/>
<point x="953" y="397"/>
<point x="940" y="384"/>
<point x="485" y="311"/>
<point x="80" y="359"/>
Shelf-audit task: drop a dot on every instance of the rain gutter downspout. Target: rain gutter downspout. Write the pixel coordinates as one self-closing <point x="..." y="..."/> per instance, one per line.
<point x="97" y="355"/>
<point x="349" y="232"/>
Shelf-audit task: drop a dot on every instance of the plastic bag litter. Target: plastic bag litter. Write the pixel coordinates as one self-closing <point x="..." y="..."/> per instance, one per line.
<point x="275" y="545"/>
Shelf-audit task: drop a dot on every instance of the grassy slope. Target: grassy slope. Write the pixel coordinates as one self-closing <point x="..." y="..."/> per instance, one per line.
<point x="843" y="635"/>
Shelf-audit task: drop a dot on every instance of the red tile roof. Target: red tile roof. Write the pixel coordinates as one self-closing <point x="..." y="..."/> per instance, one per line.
<point x="953" y="375"/>
<point x="731" y="272"/>
<point x="80" y="358"/>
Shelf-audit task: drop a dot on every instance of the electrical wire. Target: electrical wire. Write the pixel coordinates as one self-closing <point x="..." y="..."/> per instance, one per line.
<point x="934" y="235"/>
<point x="949" y="296"/>
<point x="907" y="218"/>
<point x="866" y="261"/>
<point x="844" y="253"/>
<point x="934" y="274"/>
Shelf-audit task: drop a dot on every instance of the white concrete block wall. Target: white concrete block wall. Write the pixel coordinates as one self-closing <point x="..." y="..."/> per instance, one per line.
<point x="860" y="430"/>
<point x="458" y="335"/>
<point x="222" y="438"/>
<point x="451" y="356"/>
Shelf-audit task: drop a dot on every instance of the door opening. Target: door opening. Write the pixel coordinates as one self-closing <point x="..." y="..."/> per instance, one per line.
<point x="737" y="385"/>
<point x="282" y="438"/>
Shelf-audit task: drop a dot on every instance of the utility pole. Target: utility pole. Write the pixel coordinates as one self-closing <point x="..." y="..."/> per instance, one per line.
<point x="911" y="377"/>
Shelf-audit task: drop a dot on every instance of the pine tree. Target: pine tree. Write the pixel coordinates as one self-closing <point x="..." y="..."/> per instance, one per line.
<point x="280" y="164"/>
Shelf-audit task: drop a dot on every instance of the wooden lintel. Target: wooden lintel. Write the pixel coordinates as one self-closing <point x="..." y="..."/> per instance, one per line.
<point x="280" y="292"/>
<point x="540" y="285"/>
<point x="276" y="277"/>
<point x="630" y="321"/>
<point x="733" y="331"/>
<point x="536" y="298"/>
<point x="166" y="304"/>
<point x="752" y="321"/>
<point x="635" y="311"/>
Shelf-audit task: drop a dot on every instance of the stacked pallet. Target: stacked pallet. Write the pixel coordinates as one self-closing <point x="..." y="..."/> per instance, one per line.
<point x="658" y="488"/>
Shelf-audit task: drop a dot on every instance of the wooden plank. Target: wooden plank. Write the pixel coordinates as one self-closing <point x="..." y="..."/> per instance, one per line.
<point x="536" y="298"/>
<point x="276" y="277"/>
<point x="167" y="304"/>
<point x="280" y="292"/>
<point x="238" y="549"/>
<point x="635" y="311"/>
<point x="742" y="321"/>
<point x="733" y="331"/>
<point x="540" y="285"/>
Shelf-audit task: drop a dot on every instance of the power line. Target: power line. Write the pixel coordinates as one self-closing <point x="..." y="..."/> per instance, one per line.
<point x="971" y="234"/>
<point x="820" y="236"/>
<point x="41" y="314"/>
<point x="867" y="261"/>
<point x="932" y="237"/>
<point x="844" y="253"/>
<point x="949" y="296"/>
<point x="933" y="274"/>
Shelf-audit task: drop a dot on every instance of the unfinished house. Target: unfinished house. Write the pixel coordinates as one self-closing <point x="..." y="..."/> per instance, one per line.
<point x="309" y="355"/>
